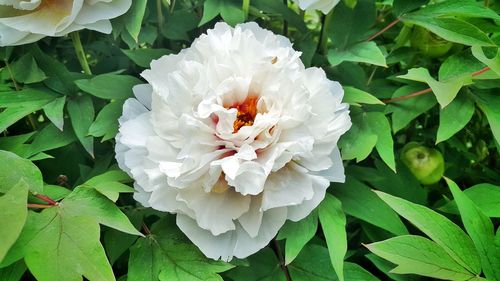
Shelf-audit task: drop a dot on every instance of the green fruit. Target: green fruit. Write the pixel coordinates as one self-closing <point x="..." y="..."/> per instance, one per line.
<point x="426" y="164"/>
<point x="428" y="43"/>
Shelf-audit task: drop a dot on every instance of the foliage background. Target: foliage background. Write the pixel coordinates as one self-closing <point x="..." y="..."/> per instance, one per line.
<point x="67" y="211"/>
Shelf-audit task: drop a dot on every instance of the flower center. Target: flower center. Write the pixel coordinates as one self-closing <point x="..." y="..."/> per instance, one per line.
<point x="246" y="113"/>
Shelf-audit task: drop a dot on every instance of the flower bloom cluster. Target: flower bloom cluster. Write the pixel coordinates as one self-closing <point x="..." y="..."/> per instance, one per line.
<point x="27" y="21"/>
<point x="235" y="136"/>
<point x="325" y="6"/>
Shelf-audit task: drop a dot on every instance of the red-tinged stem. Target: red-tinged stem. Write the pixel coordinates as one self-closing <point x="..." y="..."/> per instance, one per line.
<point x="394" y="22"/>
<point x="47" y="199"/>
<point x="412" y="95"/>
<point x="39" y="206"/>
<point x="146" y="229"/>
<point x="428" y="90"/>
<point x="479" y="72"/>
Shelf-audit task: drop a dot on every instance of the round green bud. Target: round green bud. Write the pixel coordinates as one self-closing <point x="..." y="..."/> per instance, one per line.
<point x="426" y="164"/>
<point x="428" y="43"/>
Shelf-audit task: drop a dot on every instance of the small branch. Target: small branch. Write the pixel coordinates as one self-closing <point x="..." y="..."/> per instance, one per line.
<point x="429" y="90"/>
<point x="246" y="8"/>
<point x="479" y="72"/>
<point x="393" y="23"/>
<point x="7" y="64"/>
<point x="39" y="206"/>
<point x="161" y="19"/>
<point x="412" y="95"/>
<point x="285" y="23"/>
<point x="323" y="39"/>
<point x="47" y="199"/>
<point x="80" y="53"/>
<point x="146" y="229"/>
<point x="284" y="268"/>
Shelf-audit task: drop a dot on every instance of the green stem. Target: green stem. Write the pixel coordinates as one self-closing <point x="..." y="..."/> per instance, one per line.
<point x="246" y="7"/>
<point x="323" y="43"/>
<point x="31" y="118"/>
<point x="80" y="53"/>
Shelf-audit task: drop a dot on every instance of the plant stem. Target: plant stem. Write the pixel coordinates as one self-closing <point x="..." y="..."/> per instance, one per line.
<point x="39" y="206"/>
<point x="246" y="8"/>
<point x="391" y="24"/>
<point x="429" y="90"/>
<point x="46" y="199"/>
<point x="159" y="12"/>
<point x="146" y="229"/>
<point x="31" y="118"/>
<point x="284" y="268"/>
<point x="323" y="39"/>
<point x="80" y="53"/>
<point x="7" y="64"/>
<point x="285" y="23"/>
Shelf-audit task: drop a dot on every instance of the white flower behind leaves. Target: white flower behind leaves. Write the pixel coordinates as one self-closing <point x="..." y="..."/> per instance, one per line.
<point x="235" y="136"/>
<point x="27" y="21"/>
<point x="325" y="6"/>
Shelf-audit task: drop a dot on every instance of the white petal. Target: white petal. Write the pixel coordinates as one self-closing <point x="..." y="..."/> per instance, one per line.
<point x="215" y="247"/>
<point x="298" y="212"/>
<point x="215" y="211"/>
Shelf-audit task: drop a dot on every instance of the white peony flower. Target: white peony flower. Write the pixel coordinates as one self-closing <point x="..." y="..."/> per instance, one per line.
<point x="324" y="6"/>
<point x="27" y="21"/>
<point x="235" y="136"/>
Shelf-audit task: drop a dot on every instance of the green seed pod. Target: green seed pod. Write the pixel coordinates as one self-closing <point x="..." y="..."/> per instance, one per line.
<point x="426" y="164"/>
<point x="428" y="43"/>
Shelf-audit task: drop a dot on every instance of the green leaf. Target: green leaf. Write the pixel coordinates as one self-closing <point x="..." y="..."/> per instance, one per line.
<point x="89" y="202"/>
<point x="143" y="57"/>
<point x="400" y="7"/>
<point x="117" y="243"/>
<point x="444" y="232"/>
<point x="24" y="170"/>
<point x="490" y="105"/>
<point x="403" y="112"/>
<point x="26" y="70"/>
<point x="359" y="201"/>
<point x="459" y="8"/>
<point x="106" y="123"/>
<point x="278" y="8"/>
<point x="14" y="272"/>
<point x="81" y="112"/>
<point x="109" y="86"/>
<point x="50" y="138"/>
<point x="63" y="248"/>
<point x="484" y="195"/>
<point x="386" y="266"/>
<point x="297" y="234"/>
<point x="369" y="129"/>
<point x="481" y="231"/>
<point x="134" y="18"/>
<point x="356" y="96"/>
<point x="163" y="257"/>
<point x="230" y="11"/>
<point x="314" y="264"/>
<point x="418" y="255"/>
<point x="55" y="111"/>
<point x="493" y="63"/>
<point x="26" y="98"/>
<point x="350" y="26"/>
<point x="333" y="223"/>
<point x="13" y="215"/>
<point x="366" y="52"/>
<point x="460" y="64"/>
<point x="451" y="29"/>
<point x="355" y="272"/>
<point x="454" y="117"/>
<point x="264" y="266"/>
<point x="445" y="91"/>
